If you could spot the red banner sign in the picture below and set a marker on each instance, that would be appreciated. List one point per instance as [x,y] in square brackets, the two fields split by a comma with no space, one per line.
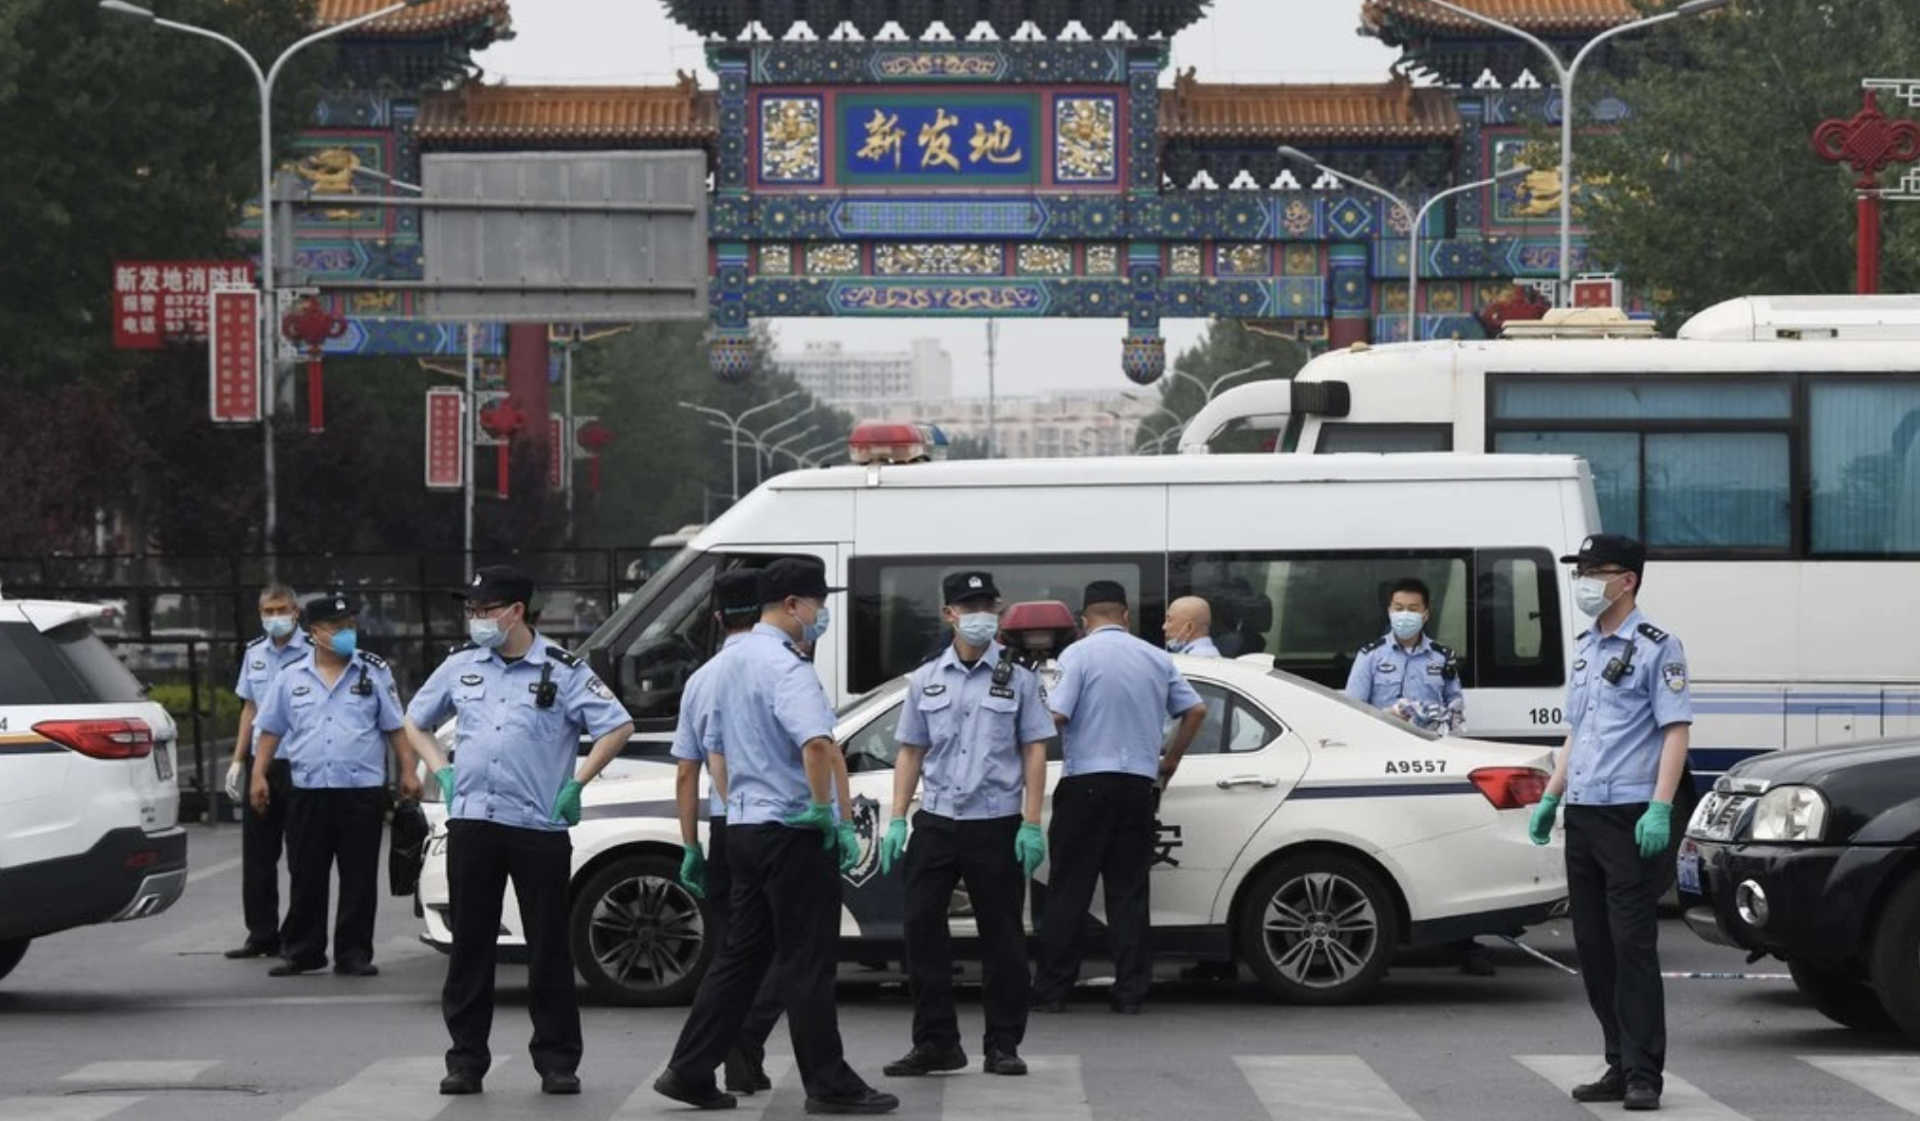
[157,302]
[445,462]
[233,356]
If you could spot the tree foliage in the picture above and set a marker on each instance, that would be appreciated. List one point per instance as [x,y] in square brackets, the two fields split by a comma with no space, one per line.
[1710,189]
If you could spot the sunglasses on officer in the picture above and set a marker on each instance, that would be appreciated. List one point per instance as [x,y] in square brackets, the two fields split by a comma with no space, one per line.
[486,610]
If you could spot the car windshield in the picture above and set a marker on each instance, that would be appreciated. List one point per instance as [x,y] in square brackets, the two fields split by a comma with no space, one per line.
[872,698]
[1340,697]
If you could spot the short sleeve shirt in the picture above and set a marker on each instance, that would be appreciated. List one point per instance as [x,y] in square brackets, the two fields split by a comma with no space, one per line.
[1619,726]
[334,737]
[974,728]
[697,735]
[1116,693]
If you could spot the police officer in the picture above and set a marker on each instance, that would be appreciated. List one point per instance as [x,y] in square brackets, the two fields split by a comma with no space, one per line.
[974,727]
[1405,672]
[1189,628]
[696,743]
[334,712]
[524,704]
[1631,712]
[263,834]
[785,852]
[1114,695]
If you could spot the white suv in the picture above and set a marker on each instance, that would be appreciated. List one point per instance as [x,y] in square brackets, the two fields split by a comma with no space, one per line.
[89,809]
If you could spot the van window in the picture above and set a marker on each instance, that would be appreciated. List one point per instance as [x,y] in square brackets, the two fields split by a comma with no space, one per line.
[896,601]
[651,667]
[1384,438]
[1517,620]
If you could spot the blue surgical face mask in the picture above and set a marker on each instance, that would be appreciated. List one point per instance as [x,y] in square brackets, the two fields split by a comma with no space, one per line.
[1406,624]
[344,642]
[1177,646]
[486,633]
[810,632]
[977,628]
[277,626]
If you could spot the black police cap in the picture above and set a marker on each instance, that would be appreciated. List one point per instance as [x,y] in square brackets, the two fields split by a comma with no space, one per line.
[1615,549]
[794,576]
[959,587]
[1103,591]
[327,609]
[737,594]
[498,583]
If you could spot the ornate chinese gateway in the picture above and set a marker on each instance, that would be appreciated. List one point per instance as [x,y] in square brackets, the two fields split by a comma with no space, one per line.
[1027,164]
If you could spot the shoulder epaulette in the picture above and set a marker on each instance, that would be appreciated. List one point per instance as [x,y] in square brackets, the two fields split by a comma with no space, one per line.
[463,648]
[1582,634]
[1372,646]
[1653,632]
[564,657]
[374,660]
[1443,651]
[256,642]
[795,651]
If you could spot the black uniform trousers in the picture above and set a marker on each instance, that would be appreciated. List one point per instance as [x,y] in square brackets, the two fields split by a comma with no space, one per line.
[1102,829]
[765,1012]
[786,914]
[262,836]
[328,829]
[481,857]
[1614,894]
[945,852]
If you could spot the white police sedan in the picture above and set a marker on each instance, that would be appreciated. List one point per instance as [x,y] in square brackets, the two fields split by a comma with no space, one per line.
[1304,835]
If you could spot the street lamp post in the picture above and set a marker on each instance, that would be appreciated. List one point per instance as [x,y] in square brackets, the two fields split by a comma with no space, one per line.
[781,447]
[1209,390]
[1566,73]
[809,457]
[264,83]
[1178,420]
[732,424]
[765,447]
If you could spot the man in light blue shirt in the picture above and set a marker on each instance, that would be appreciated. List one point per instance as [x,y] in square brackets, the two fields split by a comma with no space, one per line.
[333,714]
[263,834]
[1114,696]
[974,732]
[1405,673]
[524,704]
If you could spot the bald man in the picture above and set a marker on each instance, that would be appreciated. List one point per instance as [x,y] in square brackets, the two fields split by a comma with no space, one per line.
[1189,628]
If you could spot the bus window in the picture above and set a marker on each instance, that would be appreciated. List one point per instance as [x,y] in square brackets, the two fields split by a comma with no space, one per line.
[1336,438]
[1865,453]
[896,601]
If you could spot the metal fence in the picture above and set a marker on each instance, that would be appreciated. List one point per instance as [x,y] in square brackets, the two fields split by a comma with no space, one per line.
[180,623]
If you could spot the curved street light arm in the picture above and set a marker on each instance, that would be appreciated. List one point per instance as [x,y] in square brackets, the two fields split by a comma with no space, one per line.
[1419,221]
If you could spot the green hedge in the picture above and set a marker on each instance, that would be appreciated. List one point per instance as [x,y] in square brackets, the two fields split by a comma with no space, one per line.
[220,718]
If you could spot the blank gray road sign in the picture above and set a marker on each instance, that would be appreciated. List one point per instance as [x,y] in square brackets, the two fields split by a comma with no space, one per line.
[566,236]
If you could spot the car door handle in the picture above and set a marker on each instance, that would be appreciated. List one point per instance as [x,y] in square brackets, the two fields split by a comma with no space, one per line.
[1265,782]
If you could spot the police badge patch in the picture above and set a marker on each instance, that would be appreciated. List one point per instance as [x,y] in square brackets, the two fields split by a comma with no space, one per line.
[1675,675]
[866,822]
[471,679]
[599,688]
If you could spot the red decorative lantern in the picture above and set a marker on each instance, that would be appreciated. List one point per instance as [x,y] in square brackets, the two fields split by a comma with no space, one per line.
[310,325]
[1868,142]
[501,420]
[594,436]
[1522,304]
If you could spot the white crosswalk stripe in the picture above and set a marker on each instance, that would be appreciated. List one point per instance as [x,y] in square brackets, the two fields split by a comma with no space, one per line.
[405,1089]
[1053,1090]
[83,1107]
[141,1072]
[1322,1088]
[645,1105]
[1892,1078]
[1679,1098]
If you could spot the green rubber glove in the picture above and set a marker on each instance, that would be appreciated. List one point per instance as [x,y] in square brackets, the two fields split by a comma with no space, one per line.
[693,870]
[1030,848]
[846,837]
[819,816]
[894,845]
[1654,829]
[567,806]
[444,776]
[1540,826]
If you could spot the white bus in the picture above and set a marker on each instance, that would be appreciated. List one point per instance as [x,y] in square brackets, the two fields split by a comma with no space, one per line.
[1769,457]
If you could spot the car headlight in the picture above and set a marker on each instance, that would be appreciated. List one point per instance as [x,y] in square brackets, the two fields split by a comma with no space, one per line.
[1790,813]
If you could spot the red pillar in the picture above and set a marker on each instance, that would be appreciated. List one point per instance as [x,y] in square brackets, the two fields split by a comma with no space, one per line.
[527,365]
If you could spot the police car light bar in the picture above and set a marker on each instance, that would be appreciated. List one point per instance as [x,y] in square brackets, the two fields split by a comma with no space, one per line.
[875,441]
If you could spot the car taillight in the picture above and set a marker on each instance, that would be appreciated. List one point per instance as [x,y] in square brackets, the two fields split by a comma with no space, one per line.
[101,739]
[1510,788]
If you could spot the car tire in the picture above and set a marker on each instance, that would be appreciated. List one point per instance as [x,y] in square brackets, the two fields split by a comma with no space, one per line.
[1319,929]
[1840,996]
[1895,963]
[11,951]
[639,938]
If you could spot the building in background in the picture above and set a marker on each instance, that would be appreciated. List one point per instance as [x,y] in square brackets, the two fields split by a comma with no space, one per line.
[842,377]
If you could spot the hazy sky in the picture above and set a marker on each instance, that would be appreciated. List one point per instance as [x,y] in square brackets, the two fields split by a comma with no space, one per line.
[632,42]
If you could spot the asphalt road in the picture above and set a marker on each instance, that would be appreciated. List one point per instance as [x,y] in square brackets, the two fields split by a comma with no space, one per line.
[146,1020]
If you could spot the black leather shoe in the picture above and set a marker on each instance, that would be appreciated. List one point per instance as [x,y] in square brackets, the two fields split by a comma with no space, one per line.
[1051,1007]
[1125,1008]
[1609,1087]
[254,950]
[1004,1062]
[559,1082]
[1641,1097]
[356,969]
[745,1076]
[866,1101]
[460,1082]
[926,1060]
[291,968]
[671,1085]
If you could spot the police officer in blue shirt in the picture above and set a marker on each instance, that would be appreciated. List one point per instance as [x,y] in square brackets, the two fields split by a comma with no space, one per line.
[696,743]
[1114,696]
[785,852]
[1406,673]
[1631,712]
[974,728]
[332,714]
[263,834]
[524,704]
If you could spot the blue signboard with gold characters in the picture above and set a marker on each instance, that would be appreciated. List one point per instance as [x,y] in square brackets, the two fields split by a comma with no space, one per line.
[938,139]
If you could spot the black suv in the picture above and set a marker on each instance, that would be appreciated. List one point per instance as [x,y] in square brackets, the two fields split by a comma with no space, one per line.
[1813,856]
